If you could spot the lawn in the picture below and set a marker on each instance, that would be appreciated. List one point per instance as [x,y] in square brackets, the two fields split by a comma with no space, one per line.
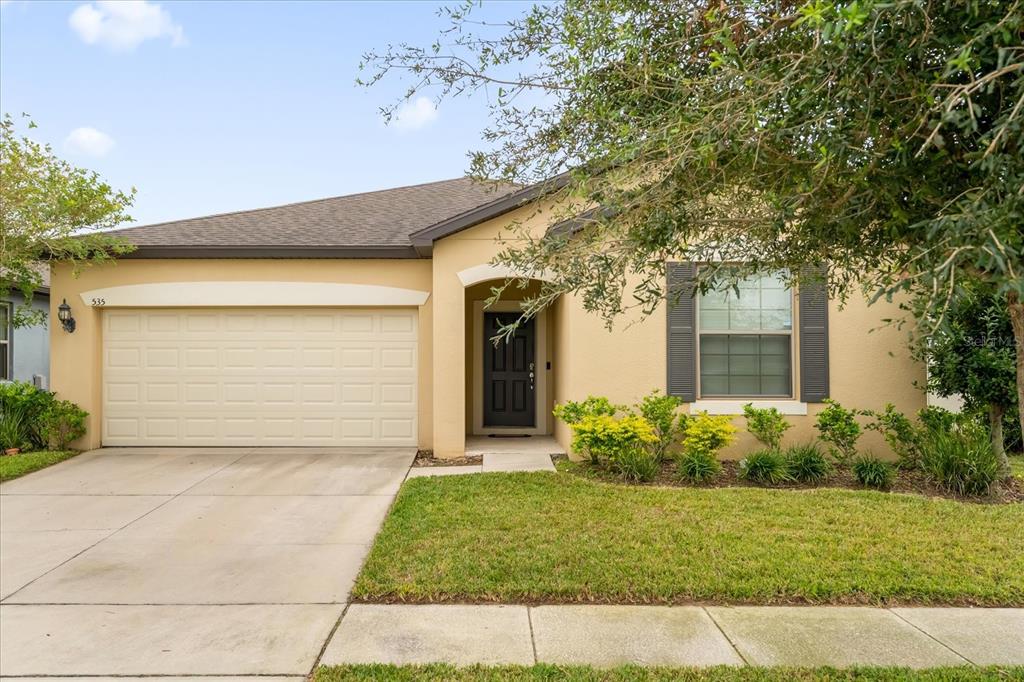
[551,673]
[13,466]
[556,538]
[1017,466]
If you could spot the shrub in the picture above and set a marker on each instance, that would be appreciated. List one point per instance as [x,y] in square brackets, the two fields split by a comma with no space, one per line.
[62,422]
[602,436]
[660,411]
[573,413]
[765,466]
[806,463]
[934,418]
[29,403]
[900,433]
[962,461]
[635,462]
[873,472]
[839,428]
[766,424]
[707,434]
[698,467]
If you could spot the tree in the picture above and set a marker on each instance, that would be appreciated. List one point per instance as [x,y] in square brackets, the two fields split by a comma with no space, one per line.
[49,211]
[884,138]
[973,356]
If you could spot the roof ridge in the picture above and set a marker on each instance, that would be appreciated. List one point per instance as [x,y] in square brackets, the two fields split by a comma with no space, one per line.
[294,203]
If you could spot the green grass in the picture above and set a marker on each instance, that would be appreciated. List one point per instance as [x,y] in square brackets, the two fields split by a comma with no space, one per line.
[538,537]
[13,466]
[550,673]
[1017,466]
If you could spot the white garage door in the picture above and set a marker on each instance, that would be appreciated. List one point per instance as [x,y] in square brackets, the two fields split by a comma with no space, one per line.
[259,377]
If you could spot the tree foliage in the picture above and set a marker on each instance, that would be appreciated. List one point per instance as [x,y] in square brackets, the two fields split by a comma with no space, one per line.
[50,211]
[973,356]
[884,138]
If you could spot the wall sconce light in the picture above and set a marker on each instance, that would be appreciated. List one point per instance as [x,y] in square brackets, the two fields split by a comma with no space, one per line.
[64,315]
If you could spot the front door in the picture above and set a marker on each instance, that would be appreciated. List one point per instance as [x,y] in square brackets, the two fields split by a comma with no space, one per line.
[509,373]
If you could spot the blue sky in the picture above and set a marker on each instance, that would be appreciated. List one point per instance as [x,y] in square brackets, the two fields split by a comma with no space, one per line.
[208,107]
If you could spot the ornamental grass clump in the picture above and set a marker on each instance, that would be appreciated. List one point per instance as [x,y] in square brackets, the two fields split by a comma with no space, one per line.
[873,472]
[962,461]
[806,463]
[765,466]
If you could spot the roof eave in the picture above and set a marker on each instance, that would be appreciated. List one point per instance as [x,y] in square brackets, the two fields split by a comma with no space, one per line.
[249,251]
[423,240]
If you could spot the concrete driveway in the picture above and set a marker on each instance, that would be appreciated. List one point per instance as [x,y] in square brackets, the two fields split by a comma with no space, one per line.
[186,561]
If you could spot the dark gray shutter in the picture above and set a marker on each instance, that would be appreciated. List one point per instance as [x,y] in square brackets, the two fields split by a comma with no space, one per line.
[682,340]
[813,296]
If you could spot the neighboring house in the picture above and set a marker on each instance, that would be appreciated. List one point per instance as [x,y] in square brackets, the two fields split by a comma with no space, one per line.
[360,320]
[25,351]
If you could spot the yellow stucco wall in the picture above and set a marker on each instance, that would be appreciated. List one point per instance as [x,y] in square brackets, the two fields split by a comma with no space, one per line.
[76,359]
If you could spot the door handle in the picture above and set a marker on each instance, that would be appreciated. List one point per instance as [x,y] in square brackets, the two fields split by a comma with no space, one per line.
[531,376]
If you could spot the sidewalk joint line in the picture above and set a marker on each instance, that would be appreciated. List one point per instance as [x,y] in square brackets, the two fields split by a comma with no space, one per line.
[533,639]
[727,637]
[933,638]
[330,636]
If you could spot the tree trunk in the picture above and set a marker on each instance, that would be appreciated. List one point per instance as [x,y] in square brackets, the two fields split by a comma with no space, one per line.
[1017,322]
[995,424]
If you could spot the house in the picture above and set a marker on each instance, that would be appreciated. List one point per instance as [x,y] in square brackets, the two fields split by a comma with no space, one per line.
[25,351]
[360,320]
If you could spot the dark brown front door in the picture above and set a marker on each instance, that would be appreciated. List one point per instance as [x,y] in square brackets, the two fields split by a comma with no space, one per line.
[509,373]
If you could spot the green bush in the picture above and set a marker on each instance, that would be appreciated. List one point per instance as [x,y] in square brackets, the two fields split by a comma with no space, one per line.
[698,467]
[766,424]
[934,418]
[661,412]
[601,436]
[61,423]
[873,472]
[806,463]
[635,462]
[961,460]
[839,428]
[902,435]
[573,413]
[765,466]
[28,403]
[707,433]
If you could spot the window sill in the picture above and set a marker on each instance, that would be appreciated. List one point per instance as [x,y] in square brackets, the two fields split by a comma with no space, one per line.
[788,407]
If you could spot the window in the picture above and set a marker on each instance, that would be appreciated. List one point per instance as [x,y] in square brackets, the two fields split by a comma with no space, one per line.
[6,332]
[746,339]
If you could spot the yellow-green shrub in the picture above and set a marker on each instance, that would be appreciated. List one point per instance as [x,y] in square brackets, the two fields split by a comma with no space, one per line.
[707,434]
[602,436]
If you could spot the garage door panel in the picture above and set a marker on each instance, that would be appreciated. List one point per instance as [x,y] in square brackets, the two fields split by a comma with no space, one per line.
[251,377]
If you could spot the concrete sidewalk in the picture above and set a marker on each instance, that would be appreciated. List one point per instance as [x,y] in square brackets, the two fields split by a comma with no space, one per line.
[606,636]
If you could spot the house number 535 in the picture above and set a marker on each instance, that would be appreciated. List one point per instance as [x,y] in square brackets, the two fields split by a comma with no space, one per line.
[99,301]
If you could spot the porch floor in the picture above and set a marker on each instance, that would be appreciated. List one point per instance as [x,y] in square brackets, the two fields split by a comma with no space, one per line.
[533,445]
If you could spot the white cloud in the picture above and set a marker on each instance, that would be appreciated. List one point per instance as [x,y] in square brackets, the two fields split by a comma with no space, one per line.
[415,114]
[89,141]
[122,25]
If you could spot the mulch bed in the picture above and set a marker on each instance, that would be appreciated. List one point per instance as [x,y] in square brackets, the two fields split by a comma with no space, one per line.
[425,458]
[916,482]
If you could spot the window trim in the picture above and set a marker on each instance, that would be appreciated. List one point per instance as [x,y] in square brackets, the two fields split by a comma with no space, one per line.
[793,325]
[8,343]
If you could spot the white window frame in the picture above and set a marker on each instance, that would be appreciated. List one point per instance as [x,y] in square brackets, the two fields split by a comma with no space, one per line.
[764,397]
[7,344]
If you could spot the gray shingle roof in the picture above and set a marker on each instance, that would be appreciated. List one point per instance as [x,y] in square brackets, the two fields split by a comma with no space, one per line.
[384,218]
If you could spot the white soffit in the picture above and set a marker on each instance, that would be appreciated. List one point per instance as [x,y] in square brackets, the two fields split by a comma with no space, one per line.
[262,294]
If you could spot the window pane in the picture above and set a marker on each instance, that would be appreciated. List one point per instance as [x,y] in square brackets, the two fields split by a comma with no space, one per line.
[760,302]
[714,319]
[745,365]
[5,320]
